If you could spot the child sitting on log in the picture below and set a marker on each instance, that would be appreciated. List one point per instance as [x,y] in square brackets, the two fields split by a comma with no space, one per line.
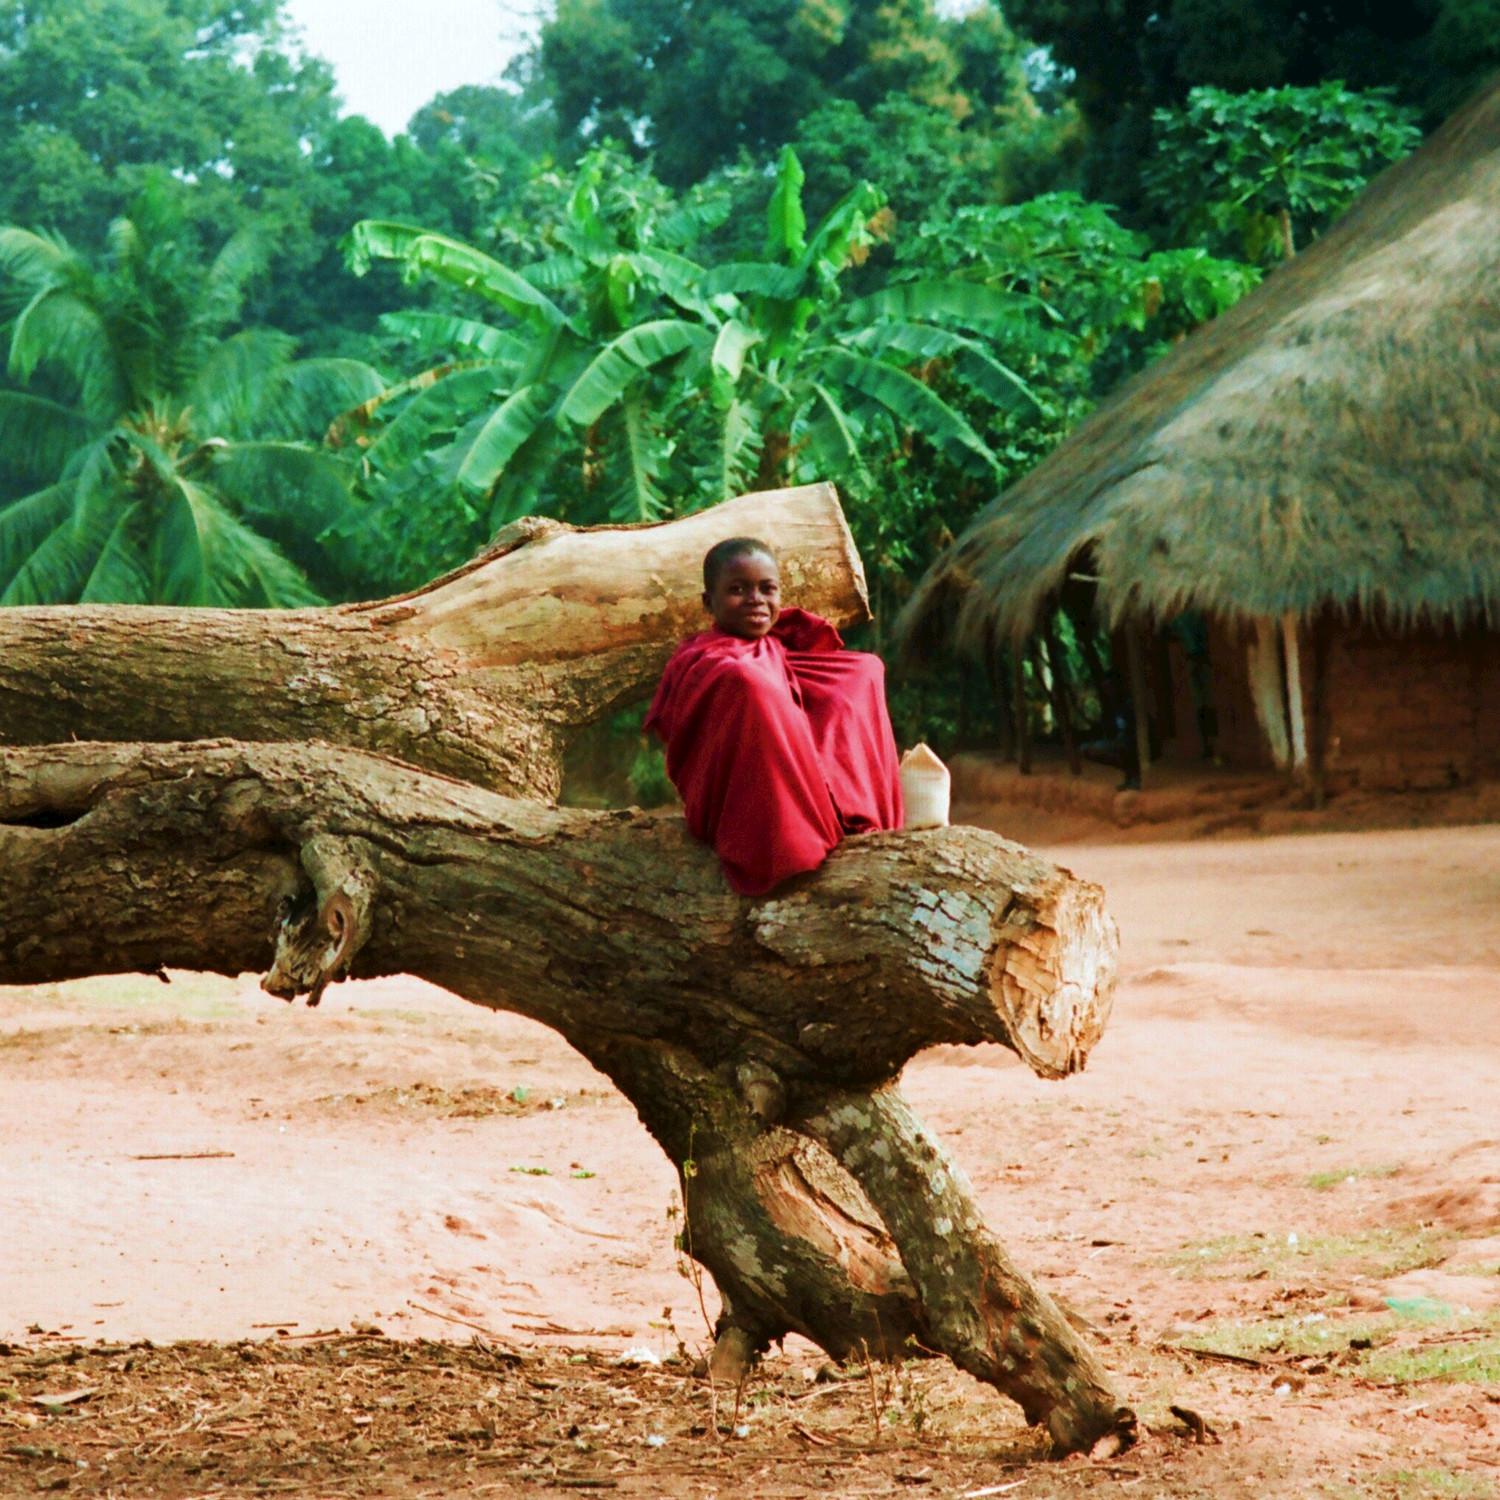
[777,738]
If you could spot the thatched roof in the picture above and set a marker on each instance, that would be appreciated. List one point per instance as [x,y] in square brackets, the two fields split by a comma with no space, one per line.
[1333,439]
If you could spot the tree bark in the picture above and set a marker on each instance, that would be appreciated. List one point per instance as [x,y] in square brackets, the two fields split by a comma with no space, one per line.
[743,1032]
[982,1312]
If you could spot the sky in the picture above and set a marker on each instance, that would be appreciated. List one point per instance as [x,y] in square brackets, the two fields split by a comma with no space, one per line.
[392,56]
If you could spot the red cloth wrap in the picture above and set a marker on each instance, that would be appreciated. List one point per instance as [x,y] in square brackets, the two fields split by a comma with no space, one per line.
[778,746]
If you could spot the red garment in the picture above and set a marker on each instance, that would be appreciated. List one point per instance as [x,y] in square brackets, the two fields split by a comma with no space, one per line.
[778,746]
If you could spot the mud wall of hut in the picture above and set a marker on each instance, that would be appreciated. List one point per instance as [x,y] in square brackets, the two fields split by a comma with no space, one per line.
[1386,710]
[1412,710]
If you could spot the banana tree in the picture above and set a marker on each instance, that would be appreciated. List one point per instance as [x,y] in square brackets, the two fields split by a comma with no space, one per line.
[512,420]
[616,378]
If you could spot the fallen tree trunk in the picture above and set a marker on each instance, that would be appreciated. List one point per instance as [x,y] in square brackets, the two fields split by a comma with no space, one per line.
[837,979]
[483,674]
[744,1033]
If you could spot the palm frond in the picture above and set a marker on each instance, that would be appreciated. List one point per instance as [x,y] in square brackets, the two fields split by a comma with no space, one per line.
[679,279]
[37,436]
[967,303]
[645,461]
[832,433]
[438,408]
[437,330]
[523,483]
[60,329]
[737,451]
[786,222]
[303,397]
[500,436]
[297,497]
[243,256]
[732,342]
[556,272]
[94,474]
[26,523]
[36,261]
[757,278]
[840,230]
[971,362]
[689,222]
[59,551]
[119,574]
[204,555]
[229,385]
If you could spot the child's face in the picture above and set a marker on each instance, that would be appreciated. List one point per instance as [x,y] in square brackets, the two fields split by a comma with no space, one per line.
[746,596]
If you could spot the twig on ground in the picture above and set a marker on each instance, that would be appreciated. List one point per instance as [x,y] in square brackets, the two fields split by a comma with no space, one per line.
[180,1156]
[489,1333]
[1201,1431]
[1218,1354]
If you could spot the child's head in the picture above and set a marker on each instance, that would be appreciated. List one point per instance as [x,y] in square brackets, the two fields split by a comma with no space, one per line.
[742,586]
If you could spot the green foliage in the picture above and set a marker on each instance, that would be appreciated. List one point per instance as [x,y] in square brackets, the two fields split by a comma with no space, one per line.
[103,92]
[599,339]
[1262,172]
[1125,59]
[1073,302]
[160,457]
[699,84]
[626,381]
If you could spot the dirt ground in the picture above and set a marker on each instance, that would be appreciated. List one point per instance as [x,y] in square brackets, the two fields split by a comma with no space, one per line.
[401,1246]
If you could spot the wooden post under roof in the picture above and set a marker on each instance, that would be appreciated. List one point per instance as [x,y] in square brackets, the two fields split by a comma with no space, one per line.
[1018,697]
[1268,689]
[1062,709]
[1135,666]
[1296,721]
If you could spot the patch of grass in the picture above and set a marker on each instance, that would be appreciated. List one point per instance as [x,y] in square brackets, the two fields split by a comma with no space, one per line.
[200,997]
[1476,1361]
[1477,1268]
[1326,1333]
[1369,1252]
[1303,1333]
[1414,1484]
[473,1102]
[1322,1181]
[23,1037]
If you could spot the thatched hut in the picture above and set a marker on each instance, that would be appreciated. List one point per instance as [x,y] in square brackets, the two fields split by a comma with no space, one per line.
[1316,476]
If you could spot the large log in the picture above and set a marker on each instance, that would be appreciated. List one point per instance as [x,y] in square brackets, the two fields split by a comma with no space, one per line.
[594,924]
[749,1035]
[483,674]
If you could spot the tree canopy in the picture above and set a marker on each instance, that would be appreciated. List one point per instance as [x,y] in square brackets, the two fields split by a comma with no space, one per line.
[698,84]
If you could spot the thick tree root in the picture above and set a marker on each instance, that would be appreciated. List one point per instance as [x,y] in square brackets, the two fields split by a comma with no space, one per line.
[981,1311]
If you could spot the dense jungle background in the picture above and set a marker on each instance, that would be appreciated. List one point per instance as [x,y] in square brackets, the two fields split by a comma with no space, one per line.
[260,354]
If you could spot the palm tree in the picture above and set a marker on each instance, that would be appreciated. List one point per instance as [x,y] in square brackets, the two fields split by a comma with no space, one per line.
[154,456]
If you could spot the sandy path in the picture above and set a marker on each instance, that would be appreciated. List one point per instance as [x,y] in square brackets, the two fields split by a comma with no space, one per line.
[1295,1012]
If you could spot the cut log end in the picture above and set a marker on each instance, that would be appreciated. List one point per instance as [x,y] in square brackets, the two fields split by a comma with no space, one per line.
[1053,980]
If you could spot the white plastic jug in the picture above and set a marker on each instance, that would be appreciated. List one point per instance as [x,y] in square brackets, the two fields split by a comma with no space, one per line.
[925,789]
